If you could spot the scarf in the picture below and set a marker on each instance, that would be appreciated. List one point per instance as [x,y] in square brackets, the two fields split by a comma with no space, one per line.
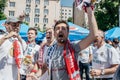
[16,52]
[40,58]
[71,63]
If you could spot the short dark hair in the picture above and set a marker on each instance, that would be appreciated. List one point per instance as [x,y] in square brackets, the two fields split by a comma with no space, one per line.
[61,21]
[116,40]
[33,29]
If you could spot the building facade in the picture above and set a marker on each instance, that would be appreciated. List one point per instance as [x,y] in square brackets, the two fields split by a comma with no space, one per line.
[39,13]
[79,17]
[66,12]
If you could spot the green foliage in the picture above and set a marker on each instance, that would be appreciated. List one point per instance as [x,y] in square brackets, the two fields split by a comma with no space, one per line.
[26,23]
[2,6]
[70,19]
[107,14]
[2,16]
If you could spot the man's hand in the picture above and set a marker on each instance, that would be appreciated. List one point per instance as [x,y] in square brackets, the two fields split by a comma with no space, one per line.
[21,16]
[95,72]
[31,76]
[12,34]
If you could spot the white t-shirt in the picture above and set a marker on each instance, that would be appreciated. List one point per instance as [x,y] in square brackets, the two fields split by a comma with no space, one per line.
[84,54]
[8,68]
[104,57]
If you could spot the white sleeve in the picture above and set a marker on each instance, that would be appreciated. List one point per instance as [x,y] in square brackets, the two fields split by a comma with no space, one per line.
[90,49]
[114,56]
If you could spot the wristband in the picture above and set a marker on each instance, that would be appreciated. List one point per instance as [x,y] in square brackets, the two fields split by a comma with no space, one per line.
[102,71]
[33,70]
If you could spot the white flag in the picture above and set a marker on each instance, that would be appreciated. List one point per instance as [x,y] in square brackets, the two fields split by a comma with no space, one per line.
[80,3]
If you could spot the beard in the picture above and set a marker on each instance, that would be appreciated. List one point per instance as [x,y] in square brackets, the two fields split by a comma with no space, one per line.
[62,41]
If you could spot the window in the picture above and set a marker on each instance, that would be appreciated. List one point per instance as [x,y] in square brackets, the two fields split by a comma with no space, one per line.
[28,5]
[46,11]
[27,19]
[28,1]
[37,11]
[37,1]
[69,13]
[36,20]
[12,4]
[69,10]
[46,2]
[45,20]
[27,10]
[11,13]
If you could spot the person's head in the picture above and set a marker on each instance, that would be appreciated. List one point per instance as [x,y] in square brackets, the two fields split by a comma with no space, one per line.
[61,31]
[109,41]
[115,41]
[2,31]
[12,24]
[99,38]
[32,34]
[49,34]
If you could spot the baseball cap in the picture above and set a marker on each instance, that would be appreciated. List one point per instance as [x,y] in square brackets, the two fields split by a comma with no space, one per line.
[100,33]
[12,19]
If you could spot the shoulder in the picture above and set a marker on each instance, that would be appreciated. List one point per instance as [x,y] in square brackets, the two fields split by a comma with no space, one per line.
[75,46]
[108,46]
[37,47]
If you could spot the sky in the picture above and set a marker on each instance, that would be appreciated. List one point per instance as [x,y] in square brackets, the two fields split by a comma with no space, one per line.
[67,2]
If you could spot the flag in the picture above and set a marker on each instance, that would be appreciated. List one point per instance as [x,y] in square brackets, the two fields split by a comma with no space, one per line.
[79,4]
[84,3]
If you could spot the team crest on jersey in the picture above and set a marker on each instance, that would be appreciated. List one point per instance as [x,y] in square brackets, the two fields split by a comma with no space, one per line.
[101,54]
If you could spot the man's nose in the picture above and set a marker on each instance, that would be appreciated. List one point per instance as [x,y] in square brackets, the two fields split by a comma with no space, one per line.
[60,29]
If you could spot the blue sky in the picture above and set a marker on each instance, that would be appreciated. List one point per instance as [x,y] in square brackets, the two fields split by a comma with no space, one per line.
[67,2]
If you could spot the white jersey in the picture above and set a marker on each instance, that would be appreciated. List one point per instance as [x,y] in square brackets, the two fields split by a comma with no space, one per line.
[104,57]
[45,52]
[8,68]
[30,57]
[84,55]
[118,49]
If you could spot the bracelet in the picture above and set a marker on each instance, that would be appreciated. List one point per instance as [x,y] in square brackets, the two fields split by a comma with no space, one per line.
[36,76]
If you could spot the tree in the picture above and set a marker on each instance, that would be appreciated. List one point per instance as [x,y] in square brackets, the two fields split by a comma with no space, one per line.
[2,6]
[70,19]
[107,14]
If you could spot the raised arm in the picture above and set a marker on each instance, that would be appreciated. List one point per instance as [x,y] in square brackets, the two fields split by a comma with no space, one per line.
[92,27]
